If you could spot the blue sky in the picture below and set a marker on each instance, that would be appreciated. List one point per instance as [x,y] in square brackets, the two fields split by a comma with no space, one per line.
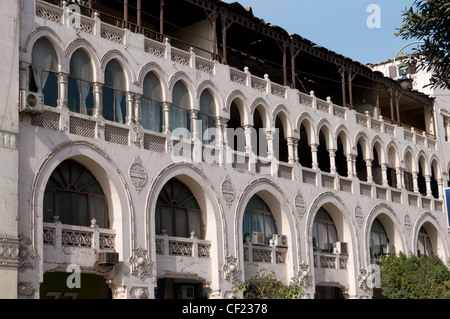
[339,25]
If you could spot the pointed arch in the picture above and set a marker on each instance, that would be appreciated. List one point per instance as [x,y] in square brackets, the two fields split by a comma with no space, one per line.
[187,82]
[88,48]
[263,108]
[159,73]
[124,63]
[212,88]
[55,41]
[392,224]
[286,118]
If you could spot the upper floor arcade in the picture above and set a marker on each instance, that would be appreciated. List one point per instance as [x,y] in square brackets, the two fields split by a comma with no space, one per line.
[233,36]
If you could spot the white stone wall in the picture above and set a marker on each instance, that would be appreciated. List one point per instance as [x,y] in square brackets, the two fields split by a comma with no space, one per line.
[9,128]
[293,202]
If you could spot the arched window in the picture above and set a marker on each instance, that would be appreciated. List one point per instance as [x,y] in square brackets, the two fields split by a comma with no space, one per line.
[282,153]
[114,96]
[44,72]
[74,196]
[378,239]
[258,218]
[235,132]
[260,149]
[324,232]
[207,118]
[341,159]
[361,167]
[180,110]
[151,106]
[80,84]
[408,179]
[304,149]
[376,168]
[323,154]
[424,247]
[421,182]
[177,211]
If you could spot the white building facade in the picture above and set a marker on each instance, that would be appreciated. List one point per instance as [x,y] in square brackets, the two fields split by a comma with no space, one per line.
[100,184]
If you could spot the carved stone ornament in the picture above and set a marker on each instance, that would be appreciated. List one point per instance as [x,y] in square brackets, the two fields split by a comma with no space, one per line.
[140,293]
[140,265]
[118,292]
[359,216]
[362,280]
[305,275]
[138,174]
[407,222]
[25,289]
[300,205]
[231,270]
[228,191]
[9,252]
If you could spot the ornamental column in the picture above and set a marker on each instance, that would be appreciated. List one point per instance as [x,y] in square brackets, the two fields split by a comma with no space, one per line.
[314,150]
[332,154]
[369,170]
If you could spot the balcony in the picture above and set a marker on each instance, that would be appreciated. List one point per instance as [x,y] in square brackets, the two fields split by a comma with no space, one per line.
[68,244]
[183,256]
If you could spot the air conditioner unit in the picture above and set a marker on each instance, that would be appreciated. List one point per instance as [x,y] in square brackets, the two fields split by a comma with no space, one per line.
[185,292]
[31,102]
[107,258]
[257,238]
[279,240]
[339,248]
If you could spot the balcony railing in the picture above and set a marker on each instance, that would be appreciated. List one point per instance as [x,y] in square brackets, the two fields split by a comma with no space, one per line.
[61,235]
[330,261]
[179,246]
[265,254]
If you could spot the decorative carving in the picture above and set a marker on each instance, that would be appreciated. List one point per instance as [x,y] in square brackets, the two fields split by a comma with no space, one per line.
[27,254]
[362,280]
[407,222]
[300,205]
[138,174]
[118,292]
[139,135]
[25,289]
[228,191]
[359,216]
[140,264]
[9,252]
[231,269]
[140,293]
[8,140]
[305,275]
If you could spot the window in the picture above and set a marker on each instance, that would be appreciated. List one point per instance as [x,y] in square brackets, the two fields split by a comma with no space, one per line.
[44,72]
[258,218]
[177,211]
[151,107]
[180,109]
[408,181]
[74,195]
[378,239]
[324,232]
[80,88]
[424,247]
[114,96]
[206,116]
